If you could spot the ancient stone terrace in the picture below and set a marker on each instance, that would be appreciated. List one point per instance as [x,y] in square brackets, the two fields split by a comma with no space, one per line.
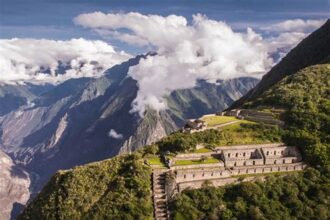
[201,174]
[243,155]
[253,115]
[231,162]
[235,161]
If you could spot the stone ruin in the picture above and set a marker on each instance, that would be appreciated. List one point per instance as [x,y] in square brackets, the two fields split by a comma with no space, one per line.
[237,156]
[235,161]
[236,164]
[194,125]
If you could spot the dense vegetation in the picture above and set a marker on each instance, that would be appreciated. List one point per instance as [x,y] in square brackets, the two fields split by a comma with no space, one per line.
[297,196]
[306,96]
[240,133]
[118,188]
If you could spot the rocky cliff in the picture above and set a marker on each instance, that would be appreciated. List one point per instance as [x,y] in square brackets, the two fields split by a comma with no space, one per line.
[14,187]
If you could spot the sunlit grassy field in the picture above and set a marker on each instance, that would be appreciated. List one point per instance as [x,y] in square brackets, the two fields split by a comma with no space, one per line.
[155,160]
[237,125]
[238,133]
[217,120]
[202,150]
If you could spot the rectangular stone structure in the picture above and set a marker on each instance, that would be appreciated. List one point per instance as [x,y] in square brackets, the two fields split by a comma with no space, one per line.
[200,174]
[281,155]
[247,156]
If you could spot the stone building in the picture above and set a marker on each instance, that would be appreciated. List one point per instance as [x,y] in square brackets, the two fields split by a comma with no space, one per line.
[242,156]
[235,161]
[201,174]
[192,126]
[233,112]
[281,155]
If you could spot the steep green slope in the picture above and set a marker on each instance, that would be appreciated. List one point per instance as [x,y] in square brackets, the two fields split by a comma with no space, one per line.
[306,97]
[296,196]
[118,188]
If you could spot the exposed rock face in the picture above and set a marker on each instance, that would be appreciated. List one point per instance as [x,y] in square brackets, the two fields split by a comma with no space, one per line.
[14,187]
[13,96]
[69,124]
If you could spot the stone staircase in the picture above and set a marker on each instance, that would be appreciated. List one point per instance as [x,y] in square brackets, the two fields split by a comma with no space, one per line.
[159,196]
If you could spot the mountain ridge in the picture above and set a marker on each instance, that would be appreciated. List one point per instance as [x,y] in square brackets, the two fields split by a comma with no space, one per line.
[69,124]
[314,49]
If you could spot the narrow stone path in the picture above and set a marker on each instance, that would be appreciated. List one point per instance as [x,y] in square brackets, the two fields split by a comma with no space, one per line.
[159,195]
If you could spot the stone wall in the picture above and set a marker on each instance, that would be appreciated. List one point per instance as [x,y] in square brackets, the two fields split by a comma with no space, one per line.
[200,174]
[247,146]
[191,156]
[267,169]
[241,154]
[248,161]
[244,162]
[281,155]
[244,155]
[284,160]
[197,166]
[234,177]
[198,184]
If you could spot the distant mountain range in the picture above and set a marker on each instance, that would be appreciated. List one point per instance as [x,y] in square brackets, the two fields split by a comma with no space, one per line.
[45,128]
[298,86]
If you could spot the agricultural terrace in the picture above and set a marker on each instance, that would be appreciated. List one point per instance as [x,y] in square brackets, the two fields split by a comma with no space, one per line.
[215,120]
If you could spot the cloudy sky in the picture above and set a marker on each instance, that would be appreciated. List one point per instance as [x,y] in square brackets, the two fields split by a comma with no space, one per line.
[53,18]
[54,40]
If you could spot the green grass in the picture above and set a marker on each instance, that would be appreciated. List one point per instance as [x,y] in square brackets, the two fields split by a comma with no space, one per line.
[155,161]
[238,125]
[194,162]
[238,133]
[217,120]
[202,150]
[244,132]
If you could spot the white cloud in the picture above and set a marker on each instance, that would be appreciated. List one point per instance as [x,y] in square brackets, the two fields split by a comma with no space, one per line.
[205,49]
[296,25]
[287,34]
[42,60]
[115,135]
